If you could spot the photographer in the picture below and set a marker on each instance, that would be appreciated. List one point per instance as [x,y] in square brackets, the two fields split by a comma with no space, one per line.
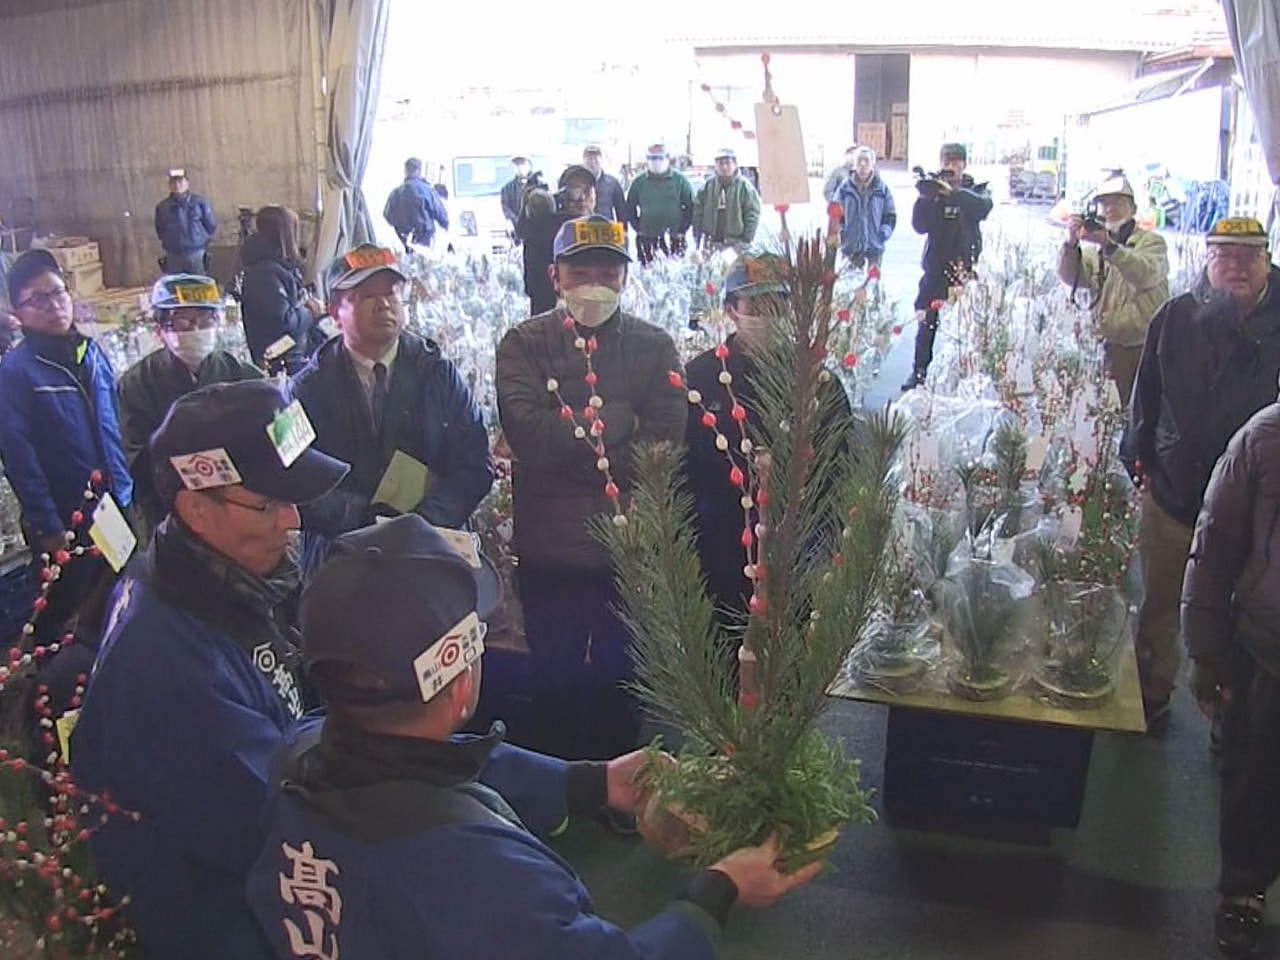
[1125,270]
[538,226]
[949,212]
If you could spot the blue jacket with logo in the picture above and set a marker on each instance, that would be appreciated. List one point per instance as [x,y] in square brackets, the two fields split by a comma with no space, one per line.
[869,215]
[185,224]
[377,888]
[56,429]
[179,724]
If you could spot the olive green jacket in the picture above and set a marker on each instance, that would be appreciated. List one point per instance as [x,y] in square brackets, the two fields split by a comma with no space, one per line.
[1126,286]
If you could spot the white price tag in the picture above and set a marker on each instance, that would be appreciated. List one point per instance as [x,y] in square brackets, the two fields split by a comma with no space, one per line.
[291,432]
[928,452]
[1037,450]
[110,533]
[1025,380]
[1069,533]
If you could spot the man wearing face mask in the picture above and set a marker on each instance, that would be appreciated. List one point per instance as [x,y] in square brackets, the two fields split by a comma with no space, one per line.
[661,204]
[1210,361]
[1126,272]
[579,648]
[187,310]
[755,299]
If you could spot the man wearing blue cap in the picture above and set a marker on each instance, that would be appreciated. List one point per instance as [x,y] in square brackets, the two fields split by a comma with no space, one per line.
[187,310]
[196,680]
[755,298]
[727,211]
[391,835]
[660,202]
[605,367]
[388,402]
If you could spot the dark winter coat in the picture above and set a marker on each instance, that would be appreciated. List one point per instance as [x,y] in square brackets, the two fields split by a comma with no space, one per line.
[413,210]
[539,236]
[1204,372]
[147,390]
[430,415]
[272,306]
[869,215]
[58,424]
[557,487]
[952,226]
[512,197]
[185,224]
[611,199]
[1231,592]
[194,686]
[717,502]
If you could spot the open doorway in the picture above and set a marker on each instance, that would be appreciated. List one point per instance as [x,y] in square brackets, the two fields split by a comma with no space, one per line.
[881,103]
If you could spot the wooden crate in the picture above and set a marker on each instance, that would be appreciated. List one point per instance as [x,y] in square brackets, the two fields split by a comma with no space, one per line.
[872,135]
[898,138]
[74,252]
[84,280]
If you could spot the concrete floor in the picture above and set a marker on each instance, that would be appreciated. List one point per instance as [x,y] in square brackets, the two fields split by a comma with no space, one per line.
[1133,882]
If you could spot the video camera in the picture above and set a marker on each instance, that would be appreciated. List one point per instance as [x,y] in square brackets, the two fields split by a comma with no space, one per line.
[932,184]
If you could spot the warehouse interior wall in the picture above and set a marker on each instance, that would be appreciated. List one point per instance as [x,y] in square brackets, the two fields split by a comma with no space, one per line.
[99,99]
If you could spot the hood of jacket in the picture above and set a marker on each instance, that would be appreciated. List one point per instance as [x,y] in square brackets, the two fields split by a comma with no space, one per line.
[256,250]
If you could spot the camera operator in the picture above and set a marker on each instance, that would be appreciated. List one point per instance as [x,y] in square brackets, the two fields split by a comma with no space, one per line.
[949,212]
[1125,270]
[538,226]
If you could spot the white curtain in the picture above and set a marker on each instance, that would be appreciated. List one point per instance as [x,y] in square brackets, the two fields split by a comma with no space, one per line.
[353,53]
[1254,26]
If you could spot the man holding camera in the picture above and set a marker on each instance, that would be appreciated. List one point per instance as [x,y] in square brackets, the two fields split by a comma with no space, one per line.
[1125,270]
[575,198]
[949,212]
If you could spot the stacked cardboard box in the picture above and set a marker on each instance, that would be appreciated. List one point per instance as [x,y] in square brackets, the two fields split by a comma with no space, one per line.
[81,262]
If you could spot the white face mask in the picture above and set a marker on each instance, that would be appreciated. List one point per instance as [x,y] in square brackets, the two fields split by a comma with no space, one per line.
[591,305]
[191,346]
[658,167]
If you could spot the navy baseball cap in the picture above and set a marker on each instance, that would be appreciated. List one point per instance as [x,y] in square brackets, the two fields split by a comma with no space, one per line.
[221,435]
[591,233]
[354,268]
[29,265]
[753,276]
[387,597]
[579,173]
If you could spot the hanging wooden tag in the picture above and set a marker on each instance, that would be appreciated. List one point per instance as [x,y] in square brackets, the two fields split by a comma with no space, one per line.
[784,174]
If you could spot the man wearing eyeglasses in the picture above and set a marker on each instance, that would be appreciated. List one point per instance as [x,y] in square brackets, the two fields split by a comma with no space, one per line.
[1210,361]
[196,681]
[187,310]
[386,401]
[58,429]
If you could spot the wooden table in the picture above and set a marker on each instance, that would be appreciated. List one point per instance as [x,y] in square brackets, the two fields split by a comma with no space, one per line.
[1015,759]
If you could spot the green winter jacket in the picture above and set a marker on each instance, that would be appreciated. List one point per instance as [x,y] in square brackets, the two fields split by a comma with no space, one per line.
[742,210]
[146,392]
[660,204]
[1126,286]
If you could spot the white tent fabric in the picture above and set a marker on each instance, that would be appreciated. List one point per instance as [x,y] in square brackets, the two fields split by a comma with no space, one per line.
[353,75]
[100,98]
[1254,26]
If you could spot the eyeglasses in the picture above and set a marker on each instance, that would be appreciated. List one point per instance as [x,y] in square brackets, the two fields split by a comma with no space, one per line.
[265,507]
[44,300]
[1225,254]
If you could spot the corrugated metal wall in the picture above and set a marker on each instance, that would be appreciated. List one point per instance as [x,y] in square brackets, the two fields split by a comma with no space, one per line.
[100,98]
